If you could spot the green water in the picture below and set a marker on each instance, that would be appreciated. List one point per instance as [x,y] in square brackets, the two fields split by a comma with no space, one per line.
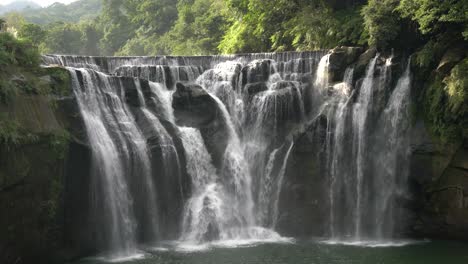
[309,252]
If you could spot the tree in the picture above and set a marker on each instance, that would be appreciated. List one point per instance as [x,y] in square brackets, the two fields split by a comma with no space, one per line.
[15,20]
[116,25]
[434,16]
[62,38]
[381,22]
[198,30]
[90,36]
[32,33]
[155,16]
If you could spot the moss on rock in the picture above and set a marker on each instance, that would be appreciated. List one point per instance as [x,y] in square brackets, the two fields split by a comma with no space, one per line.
[446,104]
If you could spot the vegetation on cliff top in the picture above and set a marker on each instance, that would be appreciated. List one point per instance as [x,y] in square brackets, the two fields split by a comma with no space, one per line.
[195,27]
[20,74]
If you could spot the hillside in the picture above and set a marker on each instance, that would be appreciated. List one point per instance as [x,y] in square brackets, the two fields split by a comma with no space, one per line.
[23,6]
[74,12]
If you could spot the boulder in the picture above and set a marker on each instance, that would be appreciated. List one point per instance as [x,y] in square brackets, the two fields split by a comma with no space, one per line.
[193,106]
[363,60]
[256,71]
[340,58]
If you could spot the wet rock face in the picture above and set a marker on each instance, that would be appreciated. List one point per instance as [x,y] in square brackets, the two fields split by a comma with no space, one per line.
[193,106]
[33,188]
[439,176]
[340,58]
[303,207]
[256,71]
[363,60]
[132,96]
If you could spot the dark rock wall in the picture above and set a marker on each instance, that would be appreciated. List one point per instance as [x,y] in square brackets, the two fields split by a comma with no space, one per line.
[32,180]
[439,177]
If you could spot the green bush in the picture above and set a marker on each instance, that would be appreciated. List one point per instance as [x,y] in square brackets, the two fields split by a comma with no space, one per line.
[12,134]
[435,16]
[457,90]
[446,104]
[381,22]
[61,80]
[17,52]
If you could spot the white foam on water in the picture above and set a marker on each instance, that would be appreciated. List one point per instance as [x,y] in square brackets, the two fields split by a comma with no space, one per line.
[264,236]
[114,258]
[373,243]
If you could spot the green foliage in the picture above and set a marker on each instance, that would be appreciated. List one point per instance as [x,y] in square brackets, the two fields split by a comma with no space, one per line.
[239,38]
[180,28]
[381,22]
[116,25]
[279,25]
[457,91]
[195,27]
[199,27]
[15,20]
[32,33]
[155,17]
[19,68]
[58,143]
[430,54]
[434,16]
[259,25]
[12,134]
[7,90]
[446,104]
[62,38]
[322,27]
[17,52]
[90,37]
[311,29]
[61,80]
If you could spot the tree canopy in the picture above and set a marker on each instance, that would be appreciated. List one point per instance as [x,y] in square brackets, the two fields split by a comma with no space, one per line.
[195,27]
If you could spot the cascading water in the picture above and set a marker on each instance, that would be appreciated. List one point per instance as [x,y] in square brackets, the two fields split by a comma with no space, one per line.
[230,194]
[360,116]
[391,166]
[363,188]
[119,151]
[205,213]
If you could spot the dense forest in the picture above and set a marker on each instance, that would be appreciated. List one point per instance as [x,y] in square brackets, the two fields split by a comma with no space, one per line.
[195,27]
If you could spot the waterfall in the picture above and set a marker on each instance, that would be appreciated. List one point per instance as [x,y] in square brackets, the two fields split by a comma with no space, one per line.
[265,193]
[391,166]
[155,178]
[363,189]
[360,115]
[270,188]
[336,144]
[279,184]
[205,213]
[120,163]
[321,78]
